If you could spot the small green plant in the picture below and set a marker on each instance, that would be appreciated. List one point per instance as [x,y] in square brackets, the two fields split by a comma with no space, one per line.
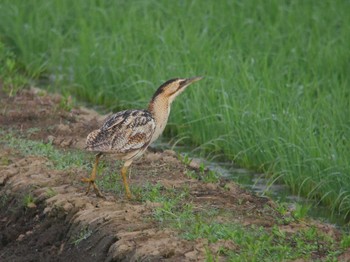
[282,208]
[50,192]
[152,193]
[191,174]
[203,174]
[66,103]
[301,210]
[185,159]
[210,177]
[345,241]
[11,74]
[29,201]
[210,257]
[278,233]
[310,233]
[84,234]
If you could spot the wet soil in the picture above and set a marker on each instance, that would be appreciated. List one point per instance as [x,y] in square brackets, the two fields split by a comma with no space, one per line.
[65,224]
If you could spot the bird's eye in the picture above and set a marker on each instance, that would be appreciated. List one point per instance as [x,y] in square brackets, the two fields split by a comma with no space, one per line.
[182,83]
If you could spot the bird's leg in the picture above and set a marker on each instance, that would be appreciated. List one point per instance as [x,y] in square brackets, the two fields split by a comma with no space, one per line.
[125,181]
[129,173]
[92,178]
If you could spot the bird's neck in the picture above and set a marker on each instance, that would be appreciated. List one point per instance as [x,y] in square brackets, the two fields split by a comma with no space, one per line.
[160,109]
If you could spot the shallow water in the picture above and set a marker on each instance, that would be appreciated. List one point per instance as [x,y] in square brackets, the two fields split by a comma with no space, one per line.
[262,186]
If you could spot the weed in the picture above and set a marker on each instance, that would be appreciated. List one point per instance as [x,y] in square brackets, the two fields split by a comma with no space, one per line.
[152,193]
[66,103]
[185,159]
[282,208]
[50,192]
[10,72]
[210,177]
[210,257]
[28,201]
[84,234]
[191,174]
[301,210]
[203,174]
[345,241]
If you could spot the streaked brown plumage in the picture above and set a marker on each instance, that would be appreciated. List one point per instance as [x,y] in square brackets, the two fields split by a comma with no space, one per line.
[127,134]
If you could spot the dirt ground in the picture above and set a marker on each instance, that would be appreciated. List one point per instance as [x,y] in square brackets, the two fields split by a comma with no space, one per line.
[120,229]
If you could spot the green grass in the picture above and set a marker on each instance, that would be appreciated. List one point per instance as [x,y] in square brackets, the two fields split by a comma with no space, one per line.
[254,243]
[276,93]
[61,160]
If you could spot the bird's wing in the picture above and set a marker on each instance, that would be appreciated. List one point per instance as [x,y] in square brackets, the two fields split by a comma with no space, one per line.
[123,132]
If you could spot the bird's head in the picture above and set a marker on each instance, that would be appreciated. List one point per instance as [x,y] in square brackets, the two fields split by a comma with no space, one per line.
[173,87]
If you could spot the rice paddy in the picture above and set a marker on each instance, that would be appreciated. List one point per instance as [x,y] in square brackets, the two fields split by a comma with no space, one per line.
[275,97]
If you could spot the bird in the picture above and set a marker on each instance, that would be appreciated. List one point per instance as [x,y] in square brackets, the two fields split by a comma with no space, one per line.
[127,134]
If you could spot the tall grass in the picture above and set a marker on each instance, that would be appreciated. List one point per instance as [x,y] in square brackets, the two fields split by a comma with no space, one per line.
[276,92]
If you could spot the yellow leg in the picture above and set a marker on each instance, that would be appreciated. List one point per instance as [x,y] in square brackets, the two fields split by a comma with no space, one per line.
[92,178]
[125,181]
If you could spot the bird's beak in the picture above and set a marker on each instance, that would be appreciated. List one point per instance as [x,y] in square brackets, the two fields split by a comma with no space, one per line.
[192,80]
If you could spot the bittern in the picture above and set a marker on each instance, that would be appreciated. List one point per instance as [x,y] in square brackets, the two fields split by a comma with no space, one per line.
[127,134]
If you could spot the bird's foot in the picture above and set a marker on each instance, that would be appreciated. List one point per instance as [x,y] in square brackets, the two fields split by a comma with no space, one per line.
[129,195]
[91,183]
